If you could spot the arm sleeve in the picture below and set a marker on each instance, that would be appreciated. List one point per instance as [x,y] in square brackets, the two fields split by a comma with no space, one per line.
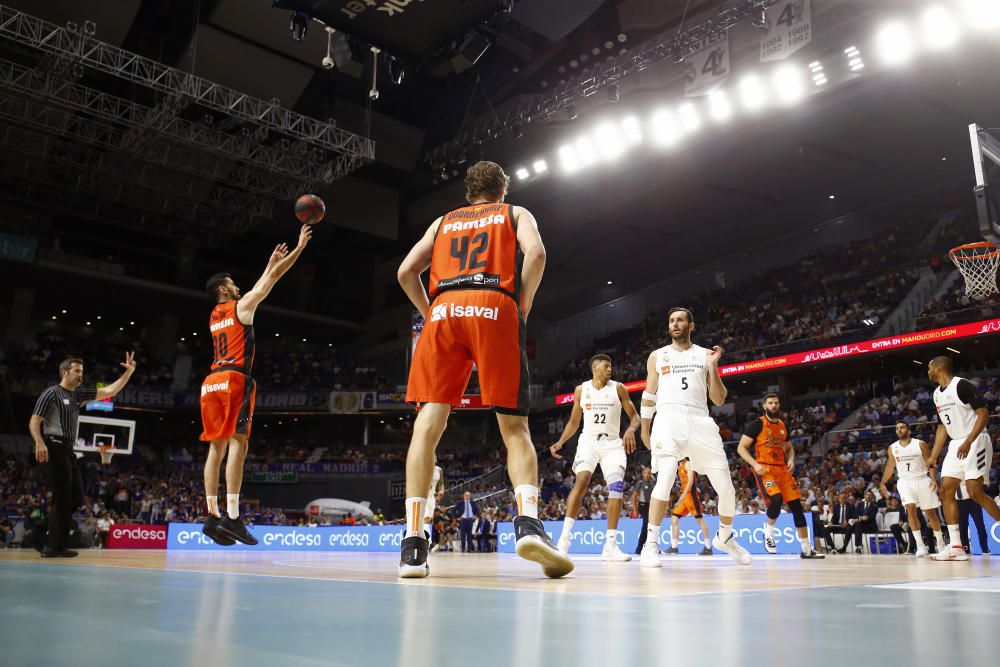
[753,429]
[43,402]
[967,394]
[84,394]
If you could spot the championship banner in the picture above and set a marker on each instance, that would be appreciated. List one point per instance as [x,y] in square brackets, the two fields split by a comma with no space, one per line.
[136,536]
[788,28]
[708,67]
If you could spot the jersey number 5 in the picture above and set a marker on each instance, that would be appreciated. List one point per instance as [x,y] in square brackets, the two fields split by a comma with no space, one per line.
[684,383]
[460,251]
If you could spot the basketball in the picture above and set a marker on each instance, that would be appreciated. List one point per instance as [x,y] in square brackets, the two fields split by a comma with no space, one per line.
[309,209]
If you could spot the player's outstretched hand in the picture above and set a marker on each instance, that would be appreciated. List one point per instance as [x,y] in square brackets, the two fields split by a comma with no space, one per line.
[280,252]
[554,450]
[304,235]
[629,441]
[715,355]
[129,364]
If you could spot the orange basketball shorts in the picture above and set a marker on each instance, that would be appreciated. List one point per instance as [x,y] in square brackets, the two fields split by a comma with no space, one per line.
[689,505]
[466,327]
[227,399]
[776,479]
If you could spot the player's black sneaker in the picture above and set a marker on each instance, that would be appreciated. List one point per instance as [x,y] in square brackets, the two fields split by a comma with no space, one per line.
[413,558]
[212,529]
[707,551]
[49,552]
[672,550]
[533,543]
[812,554]
[237,530]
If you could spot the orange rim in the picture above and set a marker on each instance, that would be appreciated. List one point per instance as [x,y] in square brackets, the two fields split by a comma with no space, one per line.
[973,246]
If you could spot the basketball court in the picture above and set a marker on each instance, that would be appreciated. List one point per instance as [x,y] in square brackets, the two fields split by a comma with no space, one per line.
[162,608]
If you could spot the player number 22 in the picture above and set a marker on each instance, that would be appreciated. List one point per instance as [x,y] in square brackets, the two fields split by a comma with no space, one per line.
[460,251]
[600,419]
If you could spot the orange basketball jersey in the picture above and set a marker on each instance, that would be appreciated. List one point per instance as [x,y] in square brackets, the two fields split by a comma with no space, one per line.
[475,247]
[232,341]
[682,475]
[770,443]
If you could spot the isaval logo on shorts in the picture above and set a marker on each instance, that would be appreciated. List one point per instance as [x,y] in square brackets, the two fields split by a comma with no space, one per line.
[446,310]
[217,386]
[439,312]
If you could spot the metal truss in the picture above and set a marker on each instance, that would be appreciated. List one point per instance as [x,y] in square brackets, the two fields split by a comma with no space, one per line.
[82,48]
[675,45]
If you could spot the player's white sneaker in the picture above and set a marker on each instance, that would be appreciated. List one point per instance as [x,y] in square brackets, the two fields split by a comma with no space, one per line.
[769,545]
[613,554]
[922,552]
[563,544]
[733,548]
[951,553]
[650,556]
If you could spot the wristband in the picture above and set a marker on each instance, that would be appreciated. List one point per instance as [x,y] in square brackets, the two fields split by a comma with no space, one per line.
[647,411]
[646,396]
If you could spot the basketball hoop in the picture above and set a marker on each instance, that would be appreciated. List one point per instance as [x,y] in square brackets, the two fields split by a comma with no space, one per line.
[106,453]
[978,263]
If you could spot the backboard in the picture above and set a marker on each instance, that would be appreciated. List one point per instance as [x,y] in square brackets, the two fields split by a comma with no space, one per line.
[986,166]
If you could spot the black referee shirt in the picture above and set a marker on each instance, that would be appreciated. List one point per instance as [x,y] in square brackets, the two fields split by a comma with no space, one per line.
[60,410]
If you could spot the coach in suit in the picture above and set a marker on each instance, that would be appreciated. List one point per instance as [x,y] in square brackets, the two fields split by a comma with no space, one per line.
[866,511]
[843,518]
[466,510]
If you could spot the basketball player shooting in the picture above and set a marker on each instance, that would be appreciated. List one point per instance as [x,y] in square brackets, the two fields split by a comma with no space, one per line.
[773,466]
[963,416]
[598,402]
[486,262]
[680,380]
[908,457]
[227,394]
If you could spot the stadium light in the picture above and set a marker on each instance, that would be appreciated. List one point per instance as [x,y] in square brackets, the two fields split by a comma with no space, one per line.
[818,75]
[939,28]
[610,142]
[752,93]
[585,152]
[854,60]
[788,86]
[664,128]
[894,42]
[983,14]
[522,174]
[689,117]
[540,167]
[719,107]
[632,130]
[568,158]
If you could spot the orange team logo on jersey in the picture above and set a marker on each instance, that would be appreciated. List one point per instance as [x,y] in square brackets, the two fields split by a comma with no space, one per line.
[665,369]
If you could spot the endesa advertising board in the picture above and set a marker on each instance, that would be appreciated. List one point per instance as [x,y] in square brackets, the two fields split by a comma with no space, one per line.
[137,536]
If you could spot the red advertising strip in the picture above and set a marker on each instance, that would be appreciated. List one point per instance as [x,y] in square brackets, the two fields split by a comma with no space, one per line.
[137,536]
[471,402]
[839,352]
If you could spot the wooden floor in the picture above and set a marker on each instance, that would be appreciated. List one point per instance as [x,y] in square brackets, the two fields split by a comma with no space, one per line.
[248,608]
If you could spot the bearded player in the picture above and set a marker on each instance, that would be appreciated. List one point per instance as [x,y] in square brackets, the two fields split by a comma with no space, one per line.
[680,380]
[599,402]
[908,458]
[227,394]
[773,466]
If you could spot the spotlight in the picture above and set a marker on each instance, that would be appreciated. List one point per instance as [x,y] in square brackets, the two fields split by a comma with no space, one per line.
[571,112]
[894,43]
[689,117]
[299,26]
[632,130]
[719,106]
[940,31]
[540,167]
[522,174]
[609,141]
[788,84]
[585,151]
[983,14]
[664,128]
[752,92]
[568,158]
[614,94]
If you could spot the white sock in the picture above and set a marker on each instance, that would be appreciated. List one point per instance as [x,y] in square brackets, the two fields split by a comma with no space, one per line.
[769,530]
[806,545]
[567,527]
[725,531]
[213,505]
[939,539]
[707,540]
[415,516]
[611,536]
[653,535]
[956,537]
[918,539]
[527,500]
[233,505]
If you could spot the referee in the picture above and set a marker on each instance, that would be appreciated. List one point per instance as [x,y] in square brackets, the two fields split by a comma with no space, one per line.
[53,428]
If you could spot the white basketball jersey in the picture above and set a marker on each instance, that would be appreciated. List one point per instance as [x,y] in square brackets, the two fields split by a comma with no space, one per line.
[683,377]
[602,409]
[958,417]
[910,463]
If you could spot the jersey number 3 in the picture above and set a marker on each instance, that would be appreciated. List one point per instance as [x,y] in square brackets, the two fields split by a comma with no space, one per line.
[466,259]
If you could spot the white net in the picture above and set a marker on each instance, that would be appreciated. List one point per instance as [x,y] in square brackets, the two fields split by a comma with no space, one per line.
[978,263]
[106,454]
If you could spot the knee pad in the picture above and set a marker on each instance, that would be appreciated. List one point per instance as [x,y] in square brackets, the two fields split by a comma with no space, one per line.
[798,513]
[616,483]
[774,506]
[665,479]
